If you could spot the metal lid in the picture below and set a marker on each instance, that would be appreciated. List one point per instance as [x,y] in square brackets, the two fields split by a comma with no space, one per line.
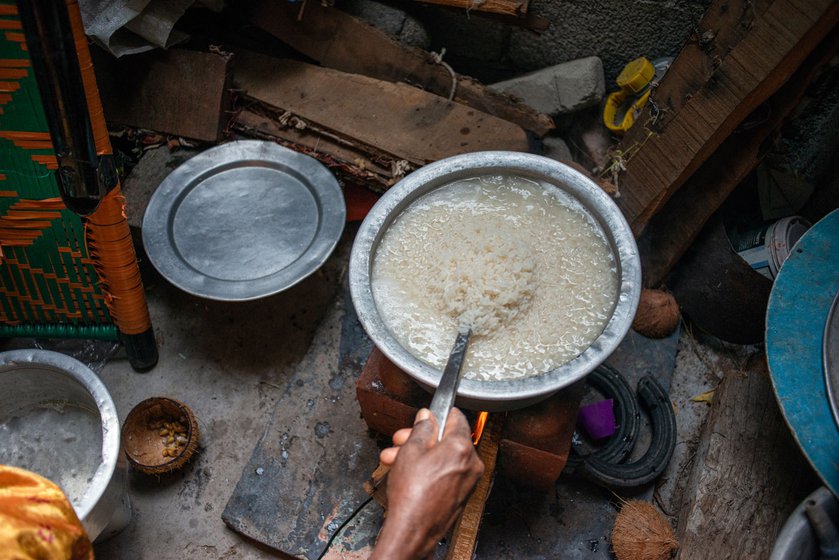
[243,220]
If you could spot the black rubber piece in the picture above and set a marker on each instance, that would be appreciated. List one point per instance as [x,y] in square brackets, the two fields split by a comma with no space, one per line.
[824,525]
[612,384]
[656,403]
[141,350]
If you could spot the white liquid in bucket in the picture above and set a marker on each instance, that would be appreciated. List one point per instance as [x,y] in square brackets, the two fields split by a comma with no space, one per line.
[61,442]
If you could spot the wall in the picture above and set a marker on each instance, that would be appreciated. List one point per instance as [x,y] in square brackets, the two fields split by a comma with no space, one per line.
[617,31]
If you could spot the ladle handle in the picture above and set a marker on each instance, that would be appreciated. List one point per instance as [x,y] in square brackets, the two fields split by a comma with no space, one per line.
[446,391]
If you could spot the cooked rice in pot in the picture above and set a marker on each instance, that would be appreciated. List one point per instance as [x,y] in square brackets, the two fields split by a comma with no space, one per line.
[521,263]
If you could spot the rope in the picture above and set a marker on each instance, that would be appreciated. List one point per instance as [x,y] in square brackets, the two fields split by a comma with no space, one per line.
[437,58]
[94,103]
[111,249]
[474,5]
[618,159]
[107,235]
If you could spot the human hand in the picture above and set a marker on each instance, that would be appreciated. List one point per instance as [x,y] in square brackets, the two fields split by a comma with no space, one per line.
[428,485]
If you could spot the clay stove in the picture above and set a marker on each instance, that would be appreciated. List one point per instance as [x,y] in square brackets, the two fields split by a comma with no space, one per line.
[534,442]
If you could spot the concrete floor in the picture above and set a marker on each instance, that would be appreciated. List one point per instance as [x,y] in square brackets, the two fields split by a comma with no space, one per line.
[230,363]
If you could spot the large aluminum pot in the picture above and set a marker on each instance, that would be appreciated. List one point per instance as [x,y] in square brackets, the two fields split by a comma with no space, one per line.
[512,394]
[30,378]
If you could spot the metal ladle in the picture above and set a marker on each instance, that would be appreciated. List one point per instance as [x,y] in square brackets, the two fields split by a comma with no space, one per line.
[444,396]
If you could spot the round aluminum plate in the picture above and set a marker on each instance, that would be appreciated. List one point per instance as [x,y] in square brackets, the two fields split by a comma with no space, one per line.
[243,220]
[509,394]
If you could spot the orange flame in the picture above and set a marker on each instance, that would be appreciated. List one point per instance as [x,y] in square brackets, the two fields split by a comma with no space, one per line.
[478,430]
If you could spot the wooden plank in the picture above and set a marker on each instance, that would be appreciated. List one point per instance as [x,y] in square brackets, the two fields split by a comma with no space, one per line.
[666,156]
[508,7]
[338,40]
[722,27]
[672,230]
[749,473]
[397,119]
[350,161]
[304,477]
[179,92]
[376,485]
[464,537]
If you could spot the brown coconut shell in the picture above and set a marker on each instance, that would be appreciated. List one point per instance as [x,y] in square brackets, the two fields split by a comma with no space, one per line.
[658,314]
[641,532]
[142,442]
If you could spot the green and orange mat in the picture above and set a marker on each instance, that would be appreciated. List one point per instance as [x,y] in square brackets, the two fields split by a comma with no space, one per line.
[61,275]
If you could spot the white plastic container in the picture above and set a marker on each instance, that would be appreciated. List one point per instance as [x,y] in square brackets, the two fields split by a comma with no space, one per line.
[767,247]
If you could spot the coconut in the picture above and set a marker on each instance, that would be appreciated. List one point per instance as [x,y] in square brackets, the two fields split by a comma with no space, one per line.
[642,533]
[160,435]
[657,315]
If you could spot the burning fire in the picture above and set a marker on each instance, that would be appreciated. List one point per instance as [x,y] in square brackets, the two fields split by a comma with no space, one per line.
[478,429]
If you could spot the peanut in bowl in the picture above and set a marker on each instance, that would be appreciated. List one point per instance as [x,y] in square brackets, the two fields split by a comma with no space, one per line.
[160,435]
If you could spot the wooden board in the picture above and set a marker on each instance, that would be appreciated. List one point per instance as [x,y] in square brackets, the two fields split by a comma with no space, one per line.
[397,119]
[179,92]
[464,535]
[508,7]
[749,473]
[343,42]
[673,230]
[661,158]
[304,478]
[722,27]
[349,161]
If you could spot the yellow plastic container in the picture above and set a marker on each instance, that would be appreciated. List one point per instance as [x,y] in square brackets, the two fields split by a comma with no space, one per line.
[636,75]
[623,106]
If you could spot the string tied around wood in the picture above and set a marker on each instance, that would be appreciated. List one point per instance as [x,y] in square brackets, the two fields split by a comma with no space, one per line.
[618,159]
[437,58]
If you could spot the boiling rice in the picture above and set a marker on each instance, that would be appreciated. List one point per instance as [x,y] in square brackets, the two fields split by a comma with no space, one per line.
[524,265]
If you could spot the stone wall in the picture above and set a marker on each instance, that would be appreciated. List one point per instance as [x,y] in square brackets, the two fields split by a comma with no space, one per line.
[492,50]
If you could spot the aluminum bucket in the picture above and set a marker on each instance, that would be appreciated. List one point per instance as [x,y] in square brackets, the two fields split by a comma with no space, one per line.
[39,379]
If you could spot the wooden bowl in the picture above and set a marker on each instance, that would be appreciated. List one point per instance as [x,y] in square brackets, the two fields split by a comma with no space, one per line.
[159,435]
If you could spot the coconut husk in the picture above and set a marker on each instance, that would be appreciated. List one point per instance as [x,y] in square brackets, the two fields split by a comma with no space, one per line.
[160,435]
[641,532]
[657,315]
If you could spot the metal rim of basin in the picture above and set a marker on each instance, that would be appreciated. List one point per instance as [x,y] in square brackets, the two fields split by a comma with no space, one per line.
[511,394]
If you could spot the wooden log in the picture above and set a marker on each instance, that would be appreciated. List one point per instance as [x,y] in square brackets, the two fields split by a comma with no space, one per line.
[749,473]
[675,227]
[659,158]
[396,119]
[179,92]
[507,7]
[464,536]
[351,162]
[338,40]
